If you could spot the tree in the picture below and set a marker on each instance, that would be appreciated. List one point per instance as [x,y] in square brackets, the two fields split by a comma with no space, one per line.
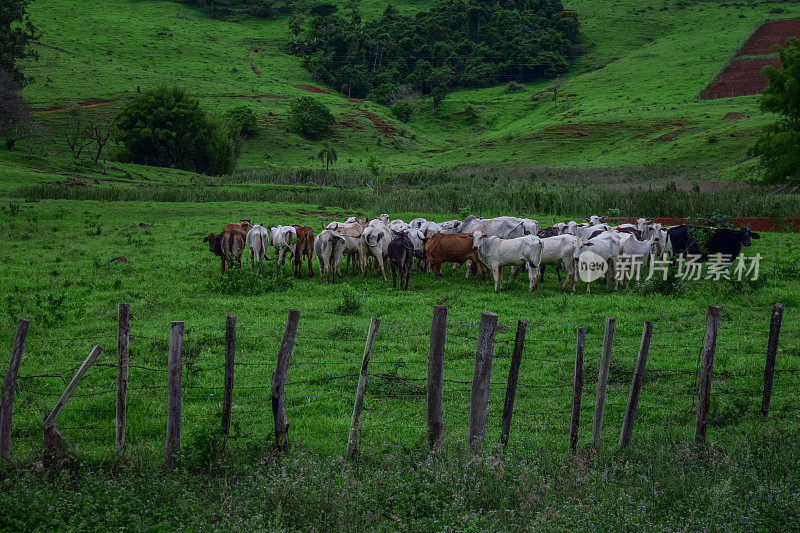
[310,118]
[779,146]
[165,127]
[14,112]
[327,155]
[16,30]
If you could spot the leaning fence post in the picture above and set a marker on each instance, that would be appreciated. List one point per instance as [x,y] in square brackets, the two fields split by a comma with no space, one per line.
[53,439]
[123,361]
[279,379]
[577,390]
[602,381]
[174,367]
[352,439]
[706,370]
[230,353]
[636,386]
[436,375]
[513,375]
[772,350]
[10,387]
[479,397]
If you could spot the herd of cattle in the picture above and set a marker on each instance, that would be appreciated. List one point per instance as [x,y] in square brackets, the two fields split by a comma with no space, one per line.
[490,243]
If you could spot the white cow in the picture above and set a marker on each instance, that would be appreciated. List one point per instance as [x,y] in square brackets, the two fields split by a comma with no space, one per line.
[429,229]
[450,227]
[417,222]
[375,243]
[283,239]
[258,240]
[558,250]
[398,225]
[329,246]
[634,252]
[503,227]
[606,246]
[497,253]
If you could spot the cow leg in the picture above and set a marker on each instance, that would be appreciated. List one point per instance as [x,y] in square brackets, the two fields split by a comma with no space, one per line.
[222,257]
[310,269]
[496,274]
[381,267]
[437,269]
[394,277]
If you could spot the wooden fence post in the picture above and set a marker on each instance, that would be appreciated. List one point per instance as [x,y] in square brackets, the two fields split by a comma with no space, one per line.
[123,361]
[479,397]
[513,376]
[636,386]
[436,375]
[230,353]
[602,381]
[577,390]
[10,387]
[352,439]
[706,370]
[53,440]
[174,368]
[772,350]
[279,379]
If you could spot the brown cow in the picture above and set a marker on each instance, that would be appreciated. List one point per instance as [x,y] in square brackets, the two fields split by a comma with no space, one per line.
[456,247]
[228,245]
[304,247]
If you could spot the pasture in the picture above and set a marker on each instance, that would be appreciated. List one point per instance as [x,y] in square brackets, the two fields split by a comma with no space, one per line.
[57,273]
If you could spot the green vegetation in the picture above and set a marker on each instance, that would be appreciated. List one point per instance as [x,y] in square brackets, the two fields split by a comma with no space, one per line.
[752,486]
[779,147]
[242,120]
[310,118]
[164,127]
[232,10]
[457,43]
[16,32]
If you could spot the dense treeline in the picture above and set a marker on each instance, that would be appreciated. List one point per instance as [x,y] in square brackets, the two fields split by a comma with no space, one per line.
[457,43]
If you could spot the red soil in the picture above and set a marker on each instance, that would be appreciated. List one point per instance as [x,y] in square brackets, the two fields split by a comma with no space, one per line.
[349,125]
[258,72]
[769,34]
[733,116]
[312,89]
[66,107]
[380,125]
[739,79]
[671,136]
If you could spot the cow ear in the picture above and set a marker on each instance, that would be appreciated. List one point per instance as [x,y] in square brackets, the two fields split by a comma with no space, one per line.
[755,236]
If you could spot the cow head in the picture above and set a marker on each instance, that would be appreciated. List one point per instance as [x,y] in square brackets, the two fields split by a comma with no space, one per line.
[246,225]
[745,235]
[214,243]
[477,239]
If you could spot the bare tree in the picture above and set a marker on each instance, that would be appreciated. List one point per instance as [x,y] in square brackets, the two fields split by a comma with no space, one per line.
[100,133]
[76,132]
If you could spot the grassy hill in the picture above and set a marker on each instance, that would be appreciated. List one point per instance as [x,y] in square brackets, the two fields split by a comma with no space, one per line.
[635,88]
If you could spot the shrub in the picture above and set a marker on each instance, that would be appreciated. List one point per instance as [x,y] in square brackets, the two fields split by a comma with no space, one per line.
[242,120]
[350,304]
[514,87]
[719,220]
[402,111]
[470,115]
[164,127]
[310,118]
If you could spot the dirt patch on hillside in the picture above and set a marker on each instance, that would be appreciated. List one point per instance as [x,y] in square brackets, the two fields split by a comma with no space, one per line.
[92,103]
[380,125]
[348,125]
[769,34]
[733,116]
[254,69]
[741,78]
[312,89]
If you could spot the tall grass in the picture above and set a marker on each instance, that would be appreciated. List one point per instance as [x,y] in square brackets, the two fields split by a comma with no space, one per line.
[488,192]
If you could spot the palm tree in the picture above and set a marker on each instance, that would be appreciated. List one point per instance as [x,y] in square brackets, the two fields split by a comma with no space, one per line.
[327,155]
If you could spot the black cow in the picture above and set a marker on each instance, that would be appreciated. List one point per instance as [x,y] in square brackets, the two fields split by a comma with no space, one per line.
[401,251]
[724,241]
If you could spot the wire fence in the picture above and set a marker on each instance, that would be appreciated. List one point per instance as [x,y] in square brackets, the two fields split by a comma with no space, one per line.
[324,370]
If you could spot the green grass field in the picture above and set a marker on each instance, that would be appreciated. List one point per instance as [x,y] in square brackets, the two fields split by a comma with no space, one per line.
[60,276]
[644,65]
